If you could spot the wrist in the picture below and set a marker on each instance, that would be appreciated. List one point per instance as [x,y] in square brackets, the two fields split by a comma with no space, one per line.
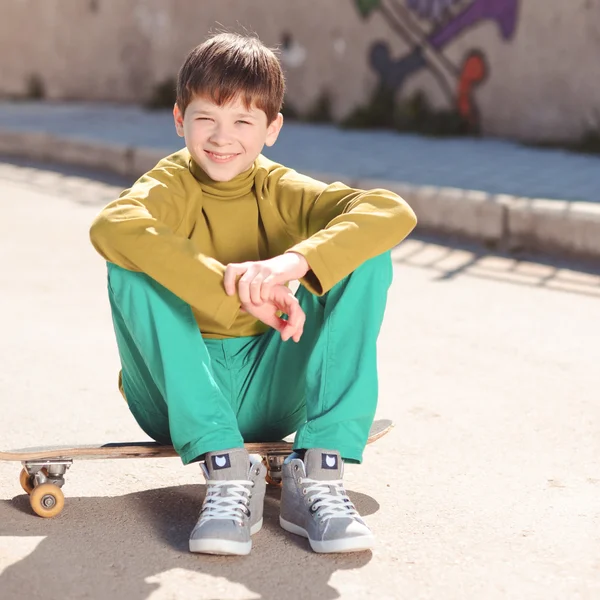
[302,266]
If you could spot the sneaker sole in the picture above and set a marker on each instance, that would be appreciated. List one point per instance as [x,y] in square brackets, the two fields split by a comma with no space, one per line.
[224,547]
[356,544]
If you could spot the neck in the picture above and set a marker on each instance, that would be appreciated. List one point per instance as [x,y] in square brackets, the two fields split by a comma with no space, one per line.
[240,185]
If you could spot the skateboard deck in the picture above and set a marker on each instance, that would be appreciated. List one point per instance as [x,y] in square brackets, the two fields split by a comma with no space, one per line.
[44,468]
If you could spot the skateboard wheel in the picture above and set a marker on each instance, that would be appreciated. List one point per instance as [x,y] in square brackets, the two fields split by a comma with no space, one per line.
[274,464]
[273,482]
[26,482]
[268,478]
[47,500]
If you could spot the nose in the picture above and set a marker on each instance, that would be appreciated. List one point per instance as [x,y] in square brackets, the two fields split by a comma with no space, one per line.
[220,136]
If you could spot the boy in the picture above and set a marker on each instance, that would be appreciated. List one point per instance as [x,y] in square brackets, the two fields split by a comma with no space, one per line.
[200,251]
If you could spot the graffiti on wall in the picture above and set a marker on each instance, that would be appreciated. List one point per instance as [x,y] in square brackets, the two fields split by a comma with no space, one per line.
[427,27]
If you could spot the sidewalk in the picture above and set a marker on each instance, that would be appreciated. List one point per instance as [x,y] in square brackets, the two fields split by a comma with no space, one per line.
[480,188]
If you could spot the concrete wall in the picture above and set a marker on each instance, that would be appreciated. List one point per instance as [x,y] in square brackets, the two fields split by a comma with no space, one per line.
[521,68]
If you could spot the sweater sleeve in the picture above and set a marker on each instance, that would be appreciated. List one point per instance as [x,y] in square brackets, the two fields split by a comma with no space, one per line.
[337,228]
[146,230]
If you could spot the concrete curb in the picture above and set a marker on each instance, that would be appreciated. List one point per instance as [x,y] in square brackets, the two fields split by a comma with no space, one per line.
[556,227]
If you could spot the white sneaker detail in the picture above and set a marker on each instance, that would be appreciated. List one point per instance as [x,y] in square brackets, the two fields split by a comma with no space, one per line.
[233,506]
[325,504]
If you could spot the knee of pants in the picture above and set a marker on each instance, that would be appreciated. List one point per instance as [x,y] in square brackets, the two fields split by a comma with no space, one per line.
[121,284]
[118,277]
[379,268]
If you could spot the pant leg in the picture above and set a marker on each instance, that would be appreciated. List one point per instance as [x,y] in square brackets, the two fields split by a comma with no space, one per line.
[173,388]
[271,385]
[326,386]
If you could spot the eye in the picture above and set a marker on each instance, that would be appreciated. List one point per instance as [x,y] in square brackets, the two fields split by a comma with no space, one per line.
[244,122]
[203,119]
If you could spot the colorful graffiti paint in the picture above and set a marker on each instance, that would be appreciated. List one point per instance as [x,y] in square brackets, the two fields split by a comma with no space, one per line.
[427,27]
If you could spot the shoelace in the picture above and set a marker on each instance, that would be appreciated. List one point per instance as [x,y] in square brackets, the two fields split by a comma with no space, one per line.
[326,504]
[233,506]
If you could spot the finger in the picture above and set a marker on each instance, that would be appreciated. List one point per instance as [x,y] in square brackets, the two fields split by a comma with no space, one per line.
[284,300]
[266,289]
[287,333]
[271,280]
[300,330]
[291,332]
[232,271]
[296,320]
[275,322]
[244,285]
[256,290]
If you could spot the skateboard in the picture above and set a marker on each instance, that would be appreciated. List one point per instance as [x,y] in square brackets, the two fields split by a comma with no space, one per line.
[44,469]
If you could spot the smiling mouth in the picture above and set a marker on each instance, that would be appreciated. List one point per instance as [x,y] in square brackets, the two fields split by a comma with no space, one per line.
[219,157]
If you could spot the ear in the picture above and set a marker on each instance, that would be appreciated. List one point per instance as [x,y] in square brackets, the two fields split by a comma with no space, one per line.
[273,130]
[178,117]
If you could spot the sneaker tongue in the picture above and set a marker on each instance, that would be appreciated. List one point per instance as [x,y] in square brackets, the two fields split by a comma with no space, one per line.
[228,464]
[323,465]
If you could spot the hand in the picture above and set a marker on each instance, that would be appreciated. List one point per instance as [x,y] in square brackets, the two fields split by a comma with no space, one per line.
[257,278]
[280,298]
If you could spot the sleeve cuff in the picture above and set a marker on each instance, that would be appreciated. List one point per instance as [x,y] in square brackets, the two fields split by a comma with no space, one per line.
[228,311]
[318,280]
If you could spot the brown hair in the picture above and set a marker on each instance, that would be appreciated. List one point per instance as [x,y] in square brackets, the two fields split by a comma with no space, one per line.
[227,65]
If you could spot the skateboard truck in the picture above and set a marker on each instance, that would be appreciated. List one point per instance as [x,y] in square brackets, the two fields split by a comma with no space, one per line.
[274,464]
[42,480]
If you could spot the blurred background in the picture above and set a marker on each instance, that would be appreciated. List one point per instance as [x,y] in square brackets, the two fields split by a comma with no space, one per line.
[525,69]
[494,96]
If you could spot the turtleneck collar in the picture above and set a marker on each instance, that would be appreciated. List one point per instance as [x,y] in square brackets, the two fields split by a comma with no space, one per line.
[239,186]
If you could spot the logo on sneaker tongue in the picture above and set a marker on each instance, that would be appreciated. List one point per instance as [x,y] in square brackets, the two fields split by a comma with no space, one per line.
[329,461]
[220,461]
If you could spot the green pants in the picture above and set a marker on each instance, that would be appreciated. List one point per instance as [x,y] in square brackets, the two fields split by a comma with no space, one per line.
[204,395]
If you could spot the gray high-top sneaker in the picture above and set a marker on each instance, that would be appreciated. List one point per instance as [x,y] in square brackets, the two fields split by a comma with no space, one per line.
[232,510]
[314,504]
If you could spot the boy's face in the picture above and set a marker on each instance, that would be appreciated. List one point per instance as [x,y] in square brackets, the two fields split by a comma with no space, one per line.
[225,140]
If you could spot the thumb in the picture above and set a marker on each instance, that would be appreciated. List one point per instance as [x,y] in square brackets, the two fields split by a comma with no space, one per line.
[232,271]
[275,322]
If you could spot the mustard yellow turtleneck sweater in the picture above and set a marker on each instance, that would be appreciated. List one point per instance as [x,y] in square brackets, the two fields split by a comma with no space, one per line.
[182,229]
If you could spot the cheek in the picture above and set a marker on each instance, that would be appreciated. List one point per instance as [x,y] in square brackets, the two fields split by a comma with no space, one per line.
[194,131]
[254,139]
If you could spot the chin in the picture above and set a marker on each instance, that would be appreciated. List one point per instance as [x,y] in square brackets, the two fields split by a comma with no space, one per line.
[219,173]
[215,174]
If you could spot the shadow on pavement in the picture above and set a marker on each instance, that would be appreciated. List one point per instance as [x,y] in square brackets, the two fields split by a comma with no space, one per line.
[103,547]
[450,258]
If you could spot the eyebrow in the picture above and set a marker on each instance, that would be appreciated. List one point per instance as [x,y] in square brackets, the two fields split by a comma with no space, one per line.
[200,111]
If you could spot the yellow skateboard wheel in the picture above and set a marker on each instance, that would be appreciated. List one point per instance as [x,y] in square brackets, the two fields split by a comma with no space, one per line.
[47,500]
[26,482]
[273,482]
[269,479]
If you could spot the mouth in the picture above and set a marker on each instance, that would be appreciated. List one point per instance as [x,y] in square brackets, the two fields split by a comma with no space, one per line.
[220,157]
